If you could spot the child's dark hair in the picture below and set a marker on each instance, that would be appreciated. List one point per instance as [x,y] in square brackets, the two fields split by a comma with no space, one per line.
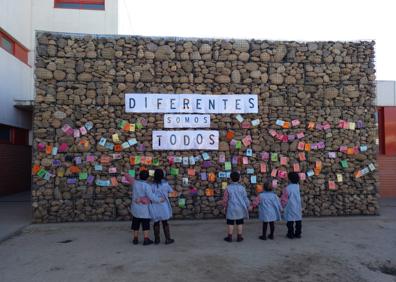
[143,174]
[234,176]
[293,177]
[267,185]
[158,175]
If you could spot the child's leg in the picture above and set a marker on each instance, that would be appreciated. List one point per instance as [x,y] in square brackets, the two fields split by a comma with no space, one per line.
[297,234]
[146,230]
[230,230]
[239,223]
[290,231]
[135,229]
[156,228]
[272,229]
[165,226]
[264,235]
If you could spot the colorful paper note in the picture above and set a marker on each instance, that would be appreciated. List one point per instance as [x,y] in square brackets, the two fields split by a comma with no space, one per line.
[112,169]
[227,165]
[253,179]
[302,156]
[83,130]
[295,122]
[255,122]
[238,145]
[230,134]
[191,172]
[115,138]
[263,167]
[332,155]
[274,157]
[310,173]
[245,160]
[250,170]
[283,160]
[174,171]
[344,163]
[332,185]
[239,118]
[249,152]
[83,176]
[339,177]
[296,167]
[98,167]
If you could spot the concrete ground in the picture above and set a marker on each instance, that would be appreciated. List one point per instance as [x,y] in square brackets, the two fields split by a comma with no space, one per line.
[15,214]
[332,249]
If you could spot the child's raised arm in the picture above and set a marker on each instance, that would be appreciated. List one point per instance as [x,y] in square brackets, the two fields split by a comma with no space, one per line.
[129,178]
[284,198]
[255,202]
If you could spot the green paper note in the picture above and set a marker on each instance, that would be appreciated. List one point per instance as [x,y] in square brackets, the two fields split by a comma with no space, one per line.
[131,172]
[156,162]
[121,123]
[139,125]
[83,176]
[238,144]
[137,160]
[227,165]
[41,172]
[344,164]
[274,157]
[182,203]
[174,171]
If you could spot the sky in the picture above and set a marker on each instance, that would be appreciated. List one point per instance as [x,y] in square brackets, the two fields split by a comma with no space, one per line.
[302,20]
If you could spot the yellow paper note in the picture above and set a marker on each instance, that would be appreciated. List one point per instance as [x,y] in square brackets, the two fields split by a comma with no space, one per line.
[339,177]
[115,137]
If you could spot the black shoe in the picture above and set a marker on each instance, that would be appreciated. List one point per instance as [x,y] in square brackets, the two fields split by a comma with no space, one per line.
[147,241]
[271,236]
[240,238]
[290,236]
[262,237]
[228,239]
[135,241]
[169,241]
[297,236]
[157,241]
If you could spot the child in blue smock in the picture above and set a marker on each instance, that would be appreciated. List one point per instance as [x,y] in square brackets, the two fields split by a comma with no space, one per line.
[161,212]
[141,197]
[291,203]
[269,210]
[236,205]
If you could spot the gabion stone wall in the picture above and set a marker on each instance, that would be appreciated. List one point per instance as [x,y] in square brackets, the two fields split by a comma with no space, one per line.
[316,116]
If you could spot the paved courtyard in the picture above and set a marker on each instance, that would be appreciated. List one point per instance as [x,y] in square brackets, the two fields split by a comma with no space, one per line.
[332,249]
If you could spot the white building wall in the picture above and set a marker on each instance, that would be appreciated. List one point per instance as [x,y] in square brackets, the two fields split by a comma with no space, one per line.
[386,93]
[15,76]
[15,19]
[46,17]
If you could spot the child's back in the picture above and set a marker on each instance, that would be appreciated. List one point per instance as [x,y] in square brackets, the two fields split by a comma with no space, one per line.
[291,201]
[269,207]
[238,202]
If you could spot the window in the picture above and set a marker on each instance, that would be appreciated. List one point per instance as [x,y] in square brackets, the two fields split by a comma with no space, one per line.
[80,4]
[5,134]
[13,47]
[13,135]
[7,44]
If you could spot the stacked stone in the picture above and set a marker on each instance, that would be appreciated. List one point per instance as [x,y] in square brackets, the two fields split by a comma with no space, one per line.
[82,78]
